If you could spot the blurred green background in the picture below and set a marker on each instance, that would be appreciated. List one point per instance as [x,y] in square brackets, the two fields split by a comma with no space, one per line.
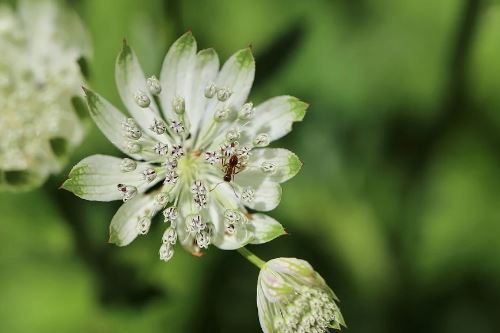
[397,205]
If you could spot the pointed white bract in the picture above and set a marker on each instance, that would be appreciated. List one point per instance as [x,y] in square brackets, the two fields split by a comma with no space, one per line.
[194,144]
[40,86]
[293,298]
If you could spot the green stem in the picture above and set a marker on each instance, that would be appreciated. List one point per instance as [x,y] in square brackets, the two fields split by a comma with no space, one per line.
[251,257]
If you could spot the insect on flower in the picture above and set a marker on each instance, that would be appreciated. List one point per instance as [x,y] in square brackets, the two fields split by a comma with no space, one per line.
[186,131]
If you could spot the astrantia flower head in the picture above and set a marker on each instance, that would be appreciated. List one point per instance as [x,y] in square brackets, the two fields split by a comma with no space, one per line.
[196,151]
[39,76]
[293,298]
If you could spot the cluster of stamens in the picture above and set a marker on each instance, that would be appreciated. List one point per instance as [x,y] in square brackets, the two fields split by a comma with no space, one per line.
[174,129]
[233,219]
[310,310]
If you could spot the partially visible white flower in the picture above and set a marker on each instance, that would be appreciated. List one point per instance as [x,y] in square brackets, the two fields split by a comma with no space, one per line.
[293,298]
[40,78]
[196,140]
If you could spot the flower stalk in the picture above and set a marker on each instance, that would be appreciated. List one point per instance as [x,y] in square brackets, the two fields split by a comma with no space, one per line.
[250,256]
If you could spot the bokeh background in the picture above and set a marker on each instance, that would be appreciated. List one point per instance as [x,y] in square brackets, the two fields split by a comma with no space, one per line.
[397,204]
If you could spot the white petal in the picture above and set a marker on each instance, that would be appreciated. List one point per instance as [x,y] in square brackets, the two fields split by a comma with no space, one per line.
[275,118]
[237,74]
[264,228]
[286,165]
[265,310]
[123,228]
[205,72]
[220,238]
[96,178]
[109,120]
[267,194]
[177,71]
[130,79]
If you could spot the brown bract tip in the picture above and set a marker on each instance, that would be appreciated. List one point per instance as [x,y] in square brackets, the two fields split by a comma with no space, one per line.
[198,254]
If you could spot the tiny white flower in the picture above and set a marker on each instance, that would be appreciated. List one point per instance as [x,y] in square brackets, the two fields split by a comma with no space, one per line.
[293,297]
[205,181]
[40,90]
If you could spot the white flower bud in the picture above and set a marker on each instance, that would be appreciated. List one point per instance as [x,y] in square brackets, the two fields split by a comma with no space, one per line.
[128,191]
[222,113]
[166,252]
[292,284]
[179,105]
[143,225]
[170,214]
[133,148]
[261,140]
[233,135]
[247,111]
[223,94]
[169,236]
[161,199]
[268,167]
[158,127]
[153,85]
[141,99]
[128,165]
[210,90]
[149,175]
[131,129]
[248,194]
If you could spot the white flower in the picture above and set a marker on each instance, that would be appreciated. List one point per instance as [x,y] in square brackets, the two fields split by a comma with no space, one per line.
[39,90]
[293,298]
[206,163]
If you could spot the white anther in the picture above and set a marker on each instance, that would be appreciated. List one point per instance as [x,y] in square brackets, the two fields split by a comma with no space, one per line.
[179,105]
[261,140]
[143,225]
[231,216]
[227,149]
[131,129]
[170,214]
[128,165]
[230,229]
[221,113]
[158,127]
[268,167]
[170,163]
[160,148]
[200,200]
[177,126]
[243,153]
[211,157]
[203,239]
[247,111]
[133,147]
[141,99]
[233,134]
[195,224]
[153,85]
[248,194]
[161,199]
[149,175]
[198,187]
[223,94]
[127,191]
[169,236]
[210,90]
[177,151]
[166,252]
[171,177]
